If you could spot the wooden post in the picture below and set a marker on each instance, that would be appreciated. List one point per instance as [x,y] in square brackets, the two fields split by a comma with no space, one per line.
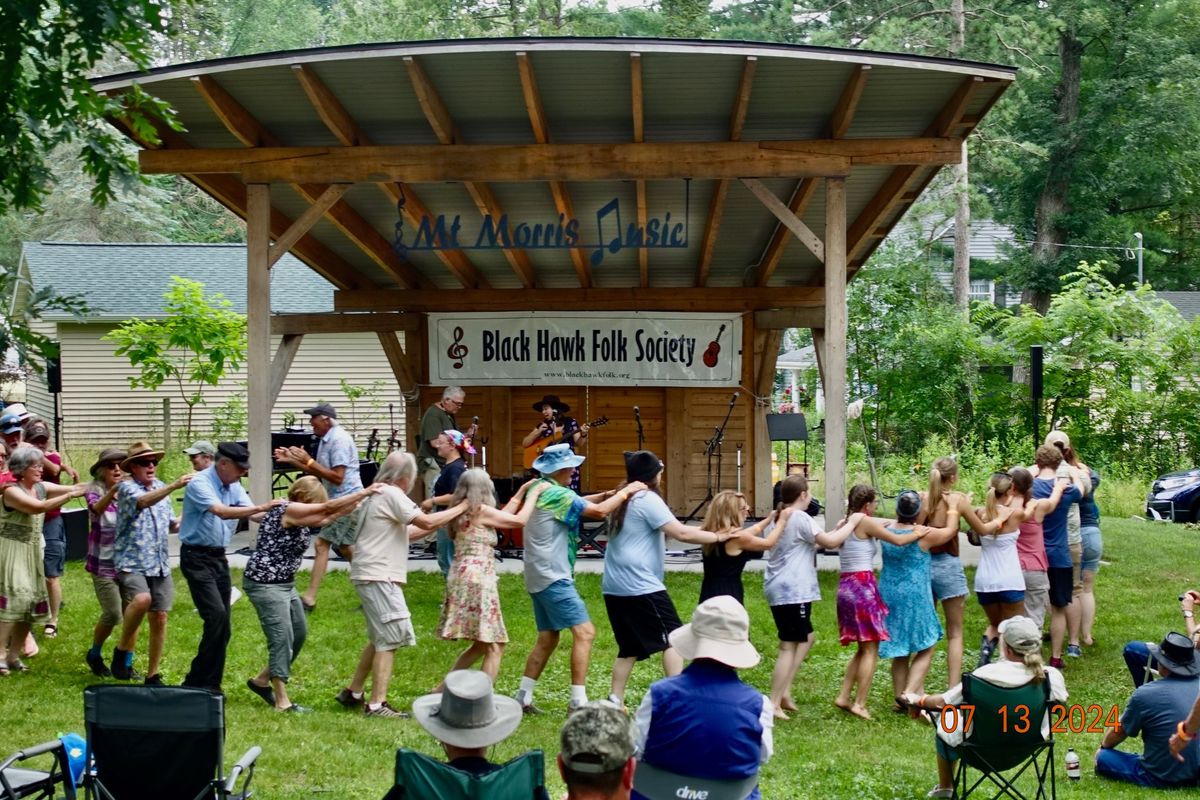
[675,419]
[167,424]
[500,437]
[835,348]
[414,351]
[258,335]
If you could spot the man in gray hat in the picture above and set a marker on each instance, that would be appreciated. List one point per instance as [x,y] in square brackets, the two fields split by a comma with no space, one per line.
[336,464]
[596,760]
[1154,711]
[202,454]
[467,717]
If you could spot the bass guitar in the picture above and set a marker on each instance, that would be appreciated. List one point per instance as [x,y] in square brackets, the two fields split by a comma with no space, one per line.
[534,450]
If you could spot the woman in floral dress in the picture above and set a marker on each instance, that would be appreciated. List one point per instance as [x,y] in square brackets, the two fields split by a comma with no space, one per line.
[472,607]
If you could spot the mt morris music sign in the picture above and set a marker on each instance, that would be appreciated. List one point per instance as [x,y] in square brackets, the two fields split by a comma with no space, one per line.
[586,349]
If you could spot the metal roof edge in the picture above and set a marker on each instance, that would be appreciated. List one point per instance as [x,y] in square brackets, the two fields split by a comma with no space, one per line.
[556,44]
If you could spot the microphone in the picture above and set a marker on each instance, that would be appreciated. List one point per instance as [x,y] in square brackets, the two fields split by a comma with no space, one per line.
[733,399]
[637,412]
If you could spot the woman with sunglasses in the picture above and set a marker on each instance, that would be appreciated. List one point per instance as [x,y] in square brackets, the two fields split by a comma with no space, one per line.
[101,498]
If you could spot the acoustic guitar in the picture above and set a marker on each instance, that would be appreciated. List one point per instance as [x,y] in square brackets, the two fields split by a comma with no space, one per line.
[713,352]
[534,450]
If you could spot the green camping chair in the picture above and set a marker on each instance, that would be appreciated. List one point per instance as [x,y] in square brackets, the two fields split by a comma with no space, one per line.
[419,777]
[994,747]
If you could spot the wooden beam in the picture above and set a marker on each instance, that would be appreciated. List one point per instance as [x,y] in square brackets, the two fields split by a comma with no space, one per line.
[258,339]
[281,364]
[637,101]
[630,299]
[447,132]
[843,112]
[819,351]
[879,208]
[793,158]
[541,134]
[398,360]
[784,318]
[801,197]
[253,134]
[675,421]
[286,324]
[835,347]
[765,378]
[305,221]
[785,215]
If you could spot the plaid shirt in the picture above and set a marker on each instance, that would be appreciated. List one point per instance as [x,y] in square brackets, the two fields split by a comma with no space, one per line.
[102,538]
[141,544]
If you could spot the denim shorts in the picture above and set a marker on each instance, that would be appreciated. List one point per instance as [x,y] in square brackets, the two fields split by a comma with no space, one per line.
[54,554]
[947,577]
[1010,597]
[1093,548]
[559,606]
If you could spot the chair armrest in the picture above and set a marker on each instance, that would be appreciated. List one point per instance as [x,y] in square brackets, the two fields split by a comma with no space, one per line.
[244,765]
[31,752]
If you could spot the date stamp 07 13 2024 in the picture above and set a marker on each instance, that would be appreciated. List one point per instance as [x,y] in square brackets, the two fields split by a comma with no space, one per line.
[1018,719]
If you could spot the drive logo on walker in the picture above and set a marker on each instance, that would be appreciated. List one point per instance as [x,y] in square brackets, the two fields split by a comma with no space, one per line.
[622,348]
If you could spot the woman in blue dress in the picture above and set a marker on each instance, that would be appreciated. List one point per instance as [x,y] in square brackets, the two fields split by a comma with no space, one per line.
[912,620]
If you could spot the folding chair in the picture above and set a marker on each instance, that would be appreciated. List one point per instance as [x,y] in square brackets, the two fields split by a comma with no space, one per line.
[1000,743]
[419,777]
[20,782]
[154,742]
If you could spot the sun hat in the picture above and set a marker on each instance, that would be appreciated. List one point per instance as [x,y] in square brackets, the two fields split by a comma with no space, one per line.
[19,410]
[720,630]
[459,440]
[1177,654]
[552,401]
[322,410]
[36,429]
[556,457]
[109,455]
[201,446]
[235,452]
[641,465]
[908,504]
[140,449]
[10,423]
[467,713]
[1021,634]
[596,738]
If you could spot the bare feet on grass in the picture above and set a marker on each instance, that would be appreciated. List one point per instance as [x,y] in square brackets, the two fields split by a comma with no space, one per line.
[788,704]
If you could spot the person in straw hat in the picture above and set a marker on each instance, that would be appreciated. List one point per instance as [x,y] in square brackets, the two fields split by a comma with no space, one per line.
[144,518]
[467,718]
[101,498]
[704,729]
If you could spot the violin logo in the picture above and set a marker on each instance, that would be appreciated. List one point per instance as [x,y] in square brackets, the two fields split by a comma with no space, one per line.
[457,351]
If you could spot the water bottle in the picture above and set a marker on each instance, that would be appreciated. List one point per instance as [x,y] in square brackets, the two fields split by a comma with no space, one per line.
[1072,764]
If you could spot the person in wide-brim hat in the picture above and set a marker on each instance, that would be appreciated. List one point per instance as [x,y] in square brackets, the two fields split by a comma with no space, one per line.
[140,450]
[468,717]
[109,455]
[552,401]
[557,457]
[720,631]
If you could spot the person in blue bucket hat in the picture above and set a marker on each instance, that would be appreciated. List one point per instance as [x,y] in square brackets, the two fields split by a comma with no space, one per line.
[551,538]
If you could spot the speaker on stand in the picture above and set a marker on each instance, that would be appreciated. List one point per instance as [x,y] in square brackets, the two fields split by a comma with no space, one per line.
[54,385]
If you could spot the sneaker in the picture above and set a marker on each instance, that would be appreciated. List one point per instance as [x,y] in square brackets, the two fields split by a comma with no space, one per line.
[294,708]
[527,708]
[95,662]
[1074,651]
[120,670]
[1057,663]
[941,791]
[346,698]
[986,648]
[264,692]
[616,702]
[574,706]
[384,710]
[154,680]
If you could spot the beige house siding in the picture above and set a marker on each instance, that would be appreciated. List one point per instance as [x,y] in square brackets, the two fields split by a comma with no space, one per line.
[99,407]
[38,400]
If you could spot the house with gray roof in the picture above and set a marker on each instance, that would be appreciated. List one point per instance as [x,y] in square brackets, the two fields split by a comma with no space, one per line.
[124,281]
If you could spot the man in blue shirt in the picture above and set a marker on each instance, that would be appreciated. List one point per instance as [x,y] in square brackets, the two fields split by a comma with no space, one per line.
[212,504]
[1155,711]
[1058,553]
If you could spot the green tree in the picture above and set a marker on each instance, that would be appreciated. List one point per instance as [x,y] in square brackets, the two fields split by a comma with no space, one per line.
[18,334]
[198,341]
[47,50]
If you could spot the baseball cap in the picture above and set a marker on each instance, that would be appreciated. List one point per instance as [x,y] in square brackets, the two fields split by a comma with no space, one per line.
[36,429]
[10,423]
[201,446]
[322,410]
[596,738]
[1021,634]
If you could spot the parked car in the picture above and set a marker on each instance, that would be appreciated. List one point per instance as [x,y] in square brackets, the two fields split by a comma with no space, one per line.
[1175,496]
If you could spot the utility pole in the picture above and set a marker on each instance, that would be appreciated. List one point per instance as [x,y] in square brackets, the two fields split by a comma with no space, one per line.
[1138,236]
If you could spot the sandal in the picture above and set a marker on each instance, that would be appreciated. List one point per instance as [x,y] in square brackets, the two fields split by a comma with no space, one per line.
[4,670]
[18,666]
[50,631]
[308,609]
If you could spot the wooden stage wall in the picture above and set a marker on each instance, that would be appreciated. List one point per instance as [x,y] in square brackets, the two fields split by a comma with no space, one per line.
[676,422]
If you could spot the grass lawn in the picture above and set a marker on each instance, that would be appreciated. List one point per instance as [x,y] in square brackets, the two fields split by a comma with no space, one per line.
[820,753]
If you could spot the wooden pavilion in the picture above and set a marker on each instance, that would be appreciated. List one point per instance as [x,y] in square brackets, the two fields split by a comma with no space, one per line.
[363,162]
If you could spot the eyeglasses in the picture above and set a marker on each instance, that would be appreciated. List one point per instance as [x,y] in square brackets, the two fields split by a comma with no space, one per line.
[145,462]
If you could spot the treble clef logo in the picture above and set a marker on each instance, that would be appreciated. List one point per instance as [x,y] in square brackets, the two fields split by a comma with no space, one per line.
[457,351]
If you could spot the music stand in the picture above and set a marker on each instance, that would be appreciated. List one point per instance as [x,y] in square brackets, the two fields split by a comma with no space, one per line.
[788,428]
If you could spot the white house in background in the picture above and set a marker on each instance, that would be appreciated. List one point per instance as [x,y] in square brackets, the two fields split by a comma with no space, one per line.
[795,362]
[988,240]
[123,281]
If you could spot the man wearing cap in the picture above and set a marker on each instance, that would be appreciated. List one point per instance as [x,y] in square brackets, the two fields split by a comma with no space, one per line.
[12,429]
[212,504]
[551,538]
[596,756]
[336,464]
[1155,711]
[201,454]
[704,730]
[1019,663]
[437,418]
[144,518]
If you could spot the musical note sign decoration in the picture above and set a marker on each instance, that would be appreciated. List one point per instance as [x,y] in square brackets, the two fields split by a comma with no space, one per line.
[586,349]
[435,233]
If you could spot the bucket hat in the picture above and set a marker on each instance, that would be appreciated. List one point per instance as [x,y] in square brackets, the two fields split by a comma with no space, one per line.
[720,630]
[556,457]
[468,713]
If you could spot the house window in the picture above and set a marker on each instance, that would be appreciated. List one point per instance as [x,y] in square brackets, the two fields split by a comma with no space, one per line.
[981,290]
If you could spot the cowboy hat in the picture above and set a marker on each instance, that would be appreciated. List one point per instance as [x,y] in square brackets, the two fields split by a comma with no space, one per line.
[719,630]
[467,713]
[556,457]
[138,450]
[552,401]
[1177,654]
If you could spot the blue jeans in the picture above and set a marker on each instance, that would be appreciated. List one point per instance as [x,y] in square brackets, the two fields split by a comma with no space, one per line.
[1127,767]
[1142,665]
[445,551]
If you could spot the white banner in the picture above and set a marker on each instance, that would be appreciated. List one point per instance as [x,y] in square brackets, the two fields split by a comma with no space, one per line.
[583,348]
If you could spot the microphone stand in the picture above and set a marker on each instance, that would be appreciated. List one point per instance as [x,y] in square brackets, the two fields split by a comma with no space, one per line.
[637,415]
[713,448]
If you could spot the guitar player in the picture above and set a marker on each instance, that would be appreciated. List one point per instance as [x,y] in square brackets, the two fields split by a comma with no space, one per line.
[556,427]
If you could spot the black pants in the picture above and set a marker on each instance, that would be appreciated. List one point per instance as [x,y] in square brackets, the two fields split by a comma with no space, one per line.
[207,573]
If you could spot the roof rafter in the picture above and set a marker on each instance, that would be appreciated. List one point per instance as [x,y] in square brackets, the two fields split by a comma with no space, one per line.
[716,207]
[541,134]
[638,103]
[879,208]
[253,134]
[342,125]
[590,299]
[481,193]
[847,105]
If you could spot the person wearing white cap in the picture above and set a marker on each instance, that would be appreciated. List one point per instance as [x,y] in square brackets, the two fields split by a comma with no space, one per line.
[704,729]
[551,538]
[201,454]
[1020,663]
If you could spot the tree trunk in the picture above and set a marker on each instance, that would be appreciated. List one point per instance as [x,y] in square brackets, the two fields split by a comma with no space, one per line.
[1054,201]
[962,200]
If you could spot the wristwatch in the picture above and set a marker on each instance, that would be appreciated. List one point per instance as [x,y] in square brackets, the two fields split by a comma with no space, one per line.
[1188,614]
